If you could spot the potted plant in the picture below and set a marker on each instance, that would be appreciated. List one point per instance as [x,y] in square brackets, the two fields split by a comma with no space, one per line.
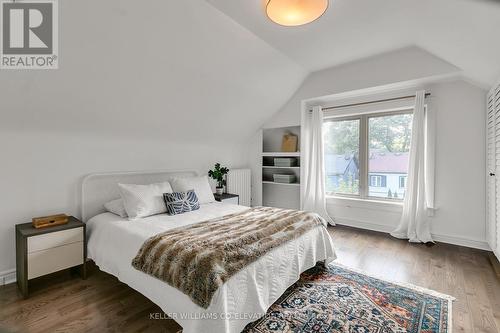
[218,174]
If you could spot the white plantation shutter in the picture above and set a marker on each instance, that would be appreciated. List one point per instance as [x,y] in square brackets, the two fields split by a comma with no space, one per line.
[493,164]
[491,161]
[496,231]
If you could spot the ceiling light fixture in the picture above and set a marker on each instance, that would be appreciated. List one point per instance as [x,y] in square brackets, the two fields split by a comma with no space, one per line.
[295,12]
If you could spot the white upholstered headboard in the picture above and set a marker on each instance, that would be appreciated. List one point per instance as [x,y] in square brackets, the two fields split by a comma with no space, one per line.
[99,188]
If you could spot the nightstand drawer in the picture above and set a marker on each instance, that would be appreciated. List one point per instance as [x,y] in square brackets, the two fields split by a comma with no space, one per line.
[233,201]
[54,239]
[55,259]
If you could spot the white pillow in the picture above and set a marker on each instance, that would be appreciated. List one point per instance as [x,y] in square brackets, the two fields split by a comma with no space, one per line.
[116,207]
[144,200]
[200,186]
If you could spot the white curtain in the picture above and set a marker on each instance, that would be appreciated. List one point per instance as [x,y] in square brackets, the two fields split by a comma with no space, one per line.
[313,164]
[419,197]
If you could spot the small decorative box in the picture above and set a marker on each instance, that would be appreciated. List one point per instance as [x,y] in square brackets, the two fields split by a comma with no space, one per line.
[49,221]
[285,161]
[288,179]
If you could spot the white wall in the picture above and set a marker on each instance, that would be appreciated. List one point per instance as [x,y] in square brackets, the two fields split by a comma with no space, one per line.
[42,172]
[460,148]
[397,66]
[460,161]
[141,85]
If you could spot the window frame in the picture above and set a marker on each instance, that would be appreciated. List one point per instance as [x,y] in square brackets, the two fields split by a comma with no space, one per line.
[364,177]
[379,182]
[402,178]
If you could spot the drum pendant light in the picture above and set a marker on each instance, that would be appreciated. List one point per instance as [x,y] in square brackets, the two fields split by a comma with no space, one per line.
[295,12]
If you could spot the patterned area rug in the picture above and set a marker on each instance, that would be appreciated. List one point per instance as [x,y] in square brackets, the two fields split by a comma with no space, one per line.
[335,299]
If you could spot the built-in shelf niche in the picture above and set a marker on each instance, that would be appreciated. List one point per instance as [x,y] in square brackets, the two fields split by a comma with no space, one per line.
[267,173]
[274,194]
[273,137]
[268,161]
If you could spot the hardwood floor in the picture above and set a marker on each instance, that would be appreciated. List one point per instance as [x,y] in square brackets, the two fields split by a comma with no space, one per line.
[65,303]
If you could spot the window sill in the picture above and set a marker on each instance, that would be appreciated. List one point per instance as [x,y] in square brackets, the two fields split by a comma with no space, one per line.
[365,203]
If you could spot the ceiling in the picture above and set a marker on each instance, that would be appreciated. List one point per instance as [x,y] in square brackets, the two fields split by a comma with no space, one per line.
[462,32]
[189,71]
[180,70]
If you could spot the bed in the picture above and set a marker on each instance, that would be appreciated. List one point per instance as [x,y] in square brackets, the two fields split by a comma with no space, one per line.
[113,242]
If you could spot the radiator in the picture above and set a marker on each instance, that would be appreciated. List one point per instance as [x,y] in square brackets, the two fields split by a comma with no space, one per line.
[239,182]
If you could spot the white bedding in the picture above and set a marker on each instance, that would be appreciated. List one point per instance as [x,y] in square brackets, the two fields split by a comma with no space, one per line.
[113,242]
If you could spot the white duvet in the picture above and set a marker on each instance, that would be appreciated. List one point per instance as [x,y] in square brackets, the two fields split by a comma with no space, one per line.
[113,242]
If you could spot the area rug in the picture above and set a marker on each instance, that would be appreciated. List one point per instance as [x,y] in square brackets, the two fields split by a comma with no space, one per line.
[337,299]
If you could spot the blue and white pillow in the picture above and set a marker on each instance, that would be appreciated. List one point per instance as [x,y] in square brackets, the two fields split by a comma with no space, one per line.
[181,202]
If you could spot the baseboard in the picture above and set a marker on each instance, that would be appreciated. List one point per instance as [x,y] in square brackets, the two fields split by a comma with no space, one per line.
[7,277]
[466,242]
[364,225]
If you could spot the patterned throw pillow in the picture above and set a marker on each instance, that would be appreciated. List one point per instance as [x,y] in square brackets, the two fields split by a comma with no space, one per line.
[181,202]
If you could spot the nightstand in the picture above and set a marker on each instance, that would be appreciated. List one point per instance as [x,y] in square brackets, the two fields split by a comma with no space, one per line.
[227,198]
[47,250]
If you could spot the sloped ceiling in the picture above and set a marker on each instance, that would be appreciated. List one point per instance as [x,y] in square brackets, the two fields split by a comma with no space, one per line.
[180,70]
[462,32]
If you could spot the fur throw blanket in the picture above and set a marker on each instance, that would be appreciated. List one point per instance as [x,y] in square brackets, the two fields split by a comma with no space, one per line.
[197,259]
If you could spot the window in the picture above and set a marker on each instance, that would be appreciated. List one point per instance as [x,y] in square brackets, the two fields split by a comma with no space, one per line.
[367,155]
[378,181]
[341,156]
[402,181]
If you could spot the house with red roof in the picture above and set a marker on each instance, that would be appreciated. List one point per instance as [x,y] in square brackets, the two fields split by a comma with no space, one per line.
[387,174]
